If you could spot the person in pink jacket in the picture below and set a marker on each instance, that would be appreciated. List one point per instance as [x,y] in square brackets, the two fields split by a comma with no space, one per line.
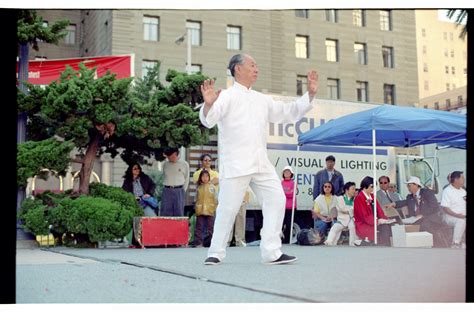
[288,185]
[364,215]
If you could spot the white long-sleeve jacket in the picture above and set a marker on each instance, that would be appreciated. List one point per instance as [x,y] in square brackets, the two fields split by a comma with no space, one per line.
[242,116]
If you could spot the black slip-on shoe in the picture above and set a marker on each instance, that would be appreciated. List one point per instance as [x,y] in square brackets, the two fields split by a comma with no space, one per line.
[212,261]
[283,259]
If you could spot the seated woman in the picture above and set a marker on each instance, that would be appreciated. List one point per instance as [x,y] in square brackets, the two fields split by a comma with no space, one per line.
[142,186]
[364,215]
[323,205]
[345,216]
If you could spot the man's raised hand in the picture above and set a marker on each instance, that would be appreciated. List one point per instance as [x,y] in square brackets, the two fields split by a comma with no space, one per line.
[208,92]
[313,79]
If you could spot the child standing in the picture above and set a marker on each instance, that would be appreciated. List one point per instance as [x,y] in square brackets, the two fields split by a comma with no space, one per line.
[288,185]
[205,207]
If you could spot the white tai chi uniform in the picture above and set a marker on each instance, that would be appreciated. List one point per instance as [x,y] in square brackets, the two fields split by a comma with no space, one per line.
[242,116]
[454,199]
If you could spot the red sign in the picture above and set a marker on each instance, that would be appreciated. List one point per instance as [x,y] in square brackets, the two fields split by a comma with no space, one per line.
[45,71]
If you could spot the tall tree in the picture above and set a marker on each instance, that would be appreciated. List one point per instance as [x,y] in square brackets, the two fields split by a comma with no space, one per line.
[108,115]
[30,29]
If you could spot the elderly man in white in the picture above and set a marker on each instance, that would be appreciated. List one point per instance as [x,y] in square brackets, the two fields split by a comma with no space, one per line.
[453,203]
[242,116]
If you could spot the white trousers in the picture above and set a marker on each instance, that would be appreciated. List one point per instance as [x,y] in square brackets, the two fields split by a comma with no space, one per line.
[335,233]
[267,188]
[459,225]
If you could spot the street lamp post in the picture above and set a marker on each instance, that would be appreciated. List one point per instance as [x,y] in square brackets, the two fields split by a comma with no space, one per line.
[178,41]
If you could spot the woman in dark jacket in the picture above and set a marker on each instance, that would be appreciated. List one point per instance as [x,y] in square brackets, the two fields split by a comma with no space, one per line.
[142,186]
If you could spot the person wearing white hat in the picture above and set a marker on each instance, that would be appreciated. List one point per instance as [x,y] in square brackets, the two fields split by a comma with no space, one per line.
[422,203]
[288,185]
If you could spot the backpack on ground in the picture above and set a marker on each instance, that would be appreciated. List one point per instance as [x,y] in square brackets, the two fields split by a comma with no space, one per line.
[308,237]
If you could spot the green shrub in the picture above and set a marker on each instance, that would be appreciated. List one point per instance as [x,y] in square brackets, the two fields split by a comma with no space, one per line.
[126,199]
[33,214]
[99,218]
[106,214]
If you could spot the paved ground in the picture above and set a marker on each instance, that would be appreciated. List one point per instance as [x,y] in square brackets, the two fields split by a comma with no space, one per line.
[177,275]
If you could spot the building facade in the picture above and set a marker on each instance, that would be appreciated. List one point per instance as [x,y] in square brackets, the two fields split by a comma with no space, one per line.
[442,55]
[361,55]
[453,100]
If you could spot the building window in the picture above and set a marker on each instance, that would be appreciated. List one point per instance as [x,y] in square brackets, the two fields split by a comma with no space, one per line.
[70,38]
[331,50]
[362,94]
[234,38]
[445,36]
[387,55]
[424,49]
[360,53]
[301,84]
[302,13]
[301,47]
[453,70]
[385,20]
[425,67]
[436,105]
[465,71]
[446,69]
[446,52]
[358,18]
[448,103]
[451,36]
[389,94]
[331,16]
[147,65]
[460,102]
[452,53]
[423,32]
[425,106]
[195,68]
[151,27]
[427,87]
[194,29]
[333,88]
[454,86]
[447,86]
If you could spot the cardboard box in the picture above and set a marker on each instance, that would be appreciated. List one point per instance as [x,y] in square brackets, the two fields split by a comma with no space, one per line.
[402,238]
[161,231]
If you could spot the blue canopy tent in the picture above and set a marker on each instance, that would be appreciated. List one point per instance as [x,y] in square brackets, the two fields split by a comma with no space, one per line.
[388,125]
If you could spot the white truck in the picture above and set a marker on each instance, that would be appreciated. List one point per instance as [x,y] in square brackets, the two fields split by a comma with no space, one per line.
[353,162]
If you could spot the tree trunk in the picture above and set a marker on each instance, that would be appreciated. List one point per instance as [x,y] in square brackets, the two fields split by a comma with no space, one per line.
[88,165]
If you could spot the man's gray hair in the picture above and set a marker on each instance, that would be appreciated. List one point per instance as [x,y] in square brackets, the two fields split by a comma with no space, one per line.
[236,59]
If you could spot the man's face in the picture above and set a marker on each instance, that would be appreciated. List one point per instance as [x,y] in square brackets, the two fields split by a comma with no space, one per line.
[459,182]
[383,184]
[413,188]
[247,72]
[330,164]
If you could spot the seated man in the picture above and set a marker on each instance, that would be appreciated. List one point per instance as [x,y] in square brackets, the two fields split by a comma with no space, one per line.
[385,197]
[453,203]
[422,203]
